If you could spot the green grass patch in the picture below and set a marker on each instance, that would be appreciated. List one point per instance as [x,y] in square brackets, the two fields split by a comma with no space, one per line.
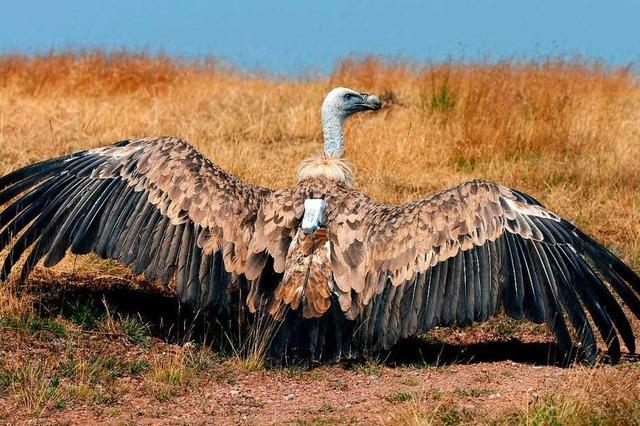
[33,325]
[410,381]
[100,370]
[440,97]
[85,313]
[134,329]
[400,396]
[370,367]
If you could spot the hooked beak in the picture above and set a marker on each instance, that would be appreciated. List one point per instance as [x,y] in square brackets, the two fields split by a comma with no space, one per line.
[371,102]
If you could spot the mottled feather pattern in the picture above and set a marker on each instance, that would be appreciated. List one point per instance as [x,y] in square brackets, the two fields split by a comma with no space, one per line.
[185,185]
[306,283]
[156,204]
[375,241]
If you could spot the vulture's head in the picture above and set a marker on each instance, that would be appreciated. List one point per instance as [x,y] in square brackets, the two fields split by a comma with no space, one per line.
[342,102]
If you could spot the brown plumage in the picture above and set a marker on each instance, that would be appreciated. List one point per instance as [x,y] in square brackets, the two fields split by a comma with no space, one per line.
[370,275]
[306,283]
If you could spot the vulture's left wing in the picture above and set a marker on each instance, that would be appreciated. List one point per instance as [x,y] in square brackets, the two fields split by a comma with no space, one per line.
[156,204]
[460,255]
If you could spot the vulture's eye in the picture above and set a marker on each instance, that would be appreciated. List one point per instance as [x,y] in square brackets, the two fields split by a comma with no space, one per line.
[349,96]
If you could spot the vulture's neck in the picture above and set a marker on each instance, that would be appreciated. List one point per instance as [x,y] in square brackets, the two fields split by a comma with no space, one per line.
[332,123]
[330,165]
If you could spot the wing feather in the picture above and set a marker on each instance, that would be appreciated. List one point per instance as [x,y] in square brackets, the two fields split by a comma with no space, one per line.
[150,203]
[549,293]
[460,255]
[428,316]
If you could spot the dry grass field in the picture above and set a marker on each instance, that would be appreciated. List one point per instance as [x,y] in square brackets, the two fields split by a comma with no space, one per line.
[73,349]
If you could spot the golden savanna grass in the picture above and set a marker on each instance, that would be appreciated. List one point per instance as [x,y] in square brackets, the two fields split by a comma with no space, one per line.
[567,133]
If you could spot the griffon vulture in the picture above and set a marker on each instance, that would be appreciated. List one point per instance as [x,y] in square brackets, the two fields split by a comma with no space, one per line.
[342,274]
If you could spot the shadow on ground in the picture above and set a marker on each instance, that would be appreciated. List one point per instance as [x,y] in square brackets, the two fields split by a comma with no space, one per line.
[438,353]
[173,322]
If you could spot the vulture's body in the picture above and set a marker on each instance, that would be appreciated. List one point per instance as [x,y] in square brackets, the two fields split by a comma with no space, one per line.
[359,278]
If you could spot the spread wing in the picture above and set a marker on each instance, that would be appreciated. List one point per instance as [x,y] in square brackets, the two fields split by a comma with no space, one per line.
[157,205]
[460,255]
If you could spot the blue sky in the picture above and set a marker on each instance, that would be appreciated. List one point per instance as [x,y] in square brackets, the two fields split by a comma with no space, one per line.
[289,37]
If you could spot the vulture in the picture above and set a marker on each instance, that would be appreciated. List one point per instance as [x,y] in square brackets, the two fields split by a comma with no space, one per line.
[341,275]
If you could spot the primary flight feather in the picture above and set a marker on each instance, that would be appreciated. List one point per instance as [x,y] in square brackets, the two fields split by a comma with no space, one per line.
[342,274]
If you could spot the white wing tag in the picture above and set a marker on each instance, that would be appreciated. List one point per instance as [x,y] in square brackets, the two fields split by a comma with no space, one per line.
[313,210]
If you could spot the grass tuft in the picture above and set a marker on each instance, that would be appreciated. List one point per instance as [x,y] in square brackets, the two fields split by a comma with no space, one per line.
[400,396]
[85,313]
[32,385]
[251,348]
[134,329]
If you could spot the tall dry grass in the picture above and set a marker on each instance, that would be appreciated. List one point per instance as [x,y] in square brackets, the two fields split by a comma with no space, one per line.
[566,132]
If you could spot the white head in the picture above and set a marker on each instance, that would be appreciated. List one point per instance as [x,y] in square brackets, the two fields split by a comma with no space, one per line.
[338,105]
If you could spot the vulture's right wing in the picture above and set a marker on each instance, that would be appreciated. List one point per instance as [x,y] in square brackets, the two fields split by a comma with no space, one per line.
[156,204]
[458,256]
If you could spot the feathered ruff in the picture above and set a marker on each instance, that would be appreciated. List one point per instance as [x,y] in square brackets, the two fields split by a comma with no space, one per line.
[332,168]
